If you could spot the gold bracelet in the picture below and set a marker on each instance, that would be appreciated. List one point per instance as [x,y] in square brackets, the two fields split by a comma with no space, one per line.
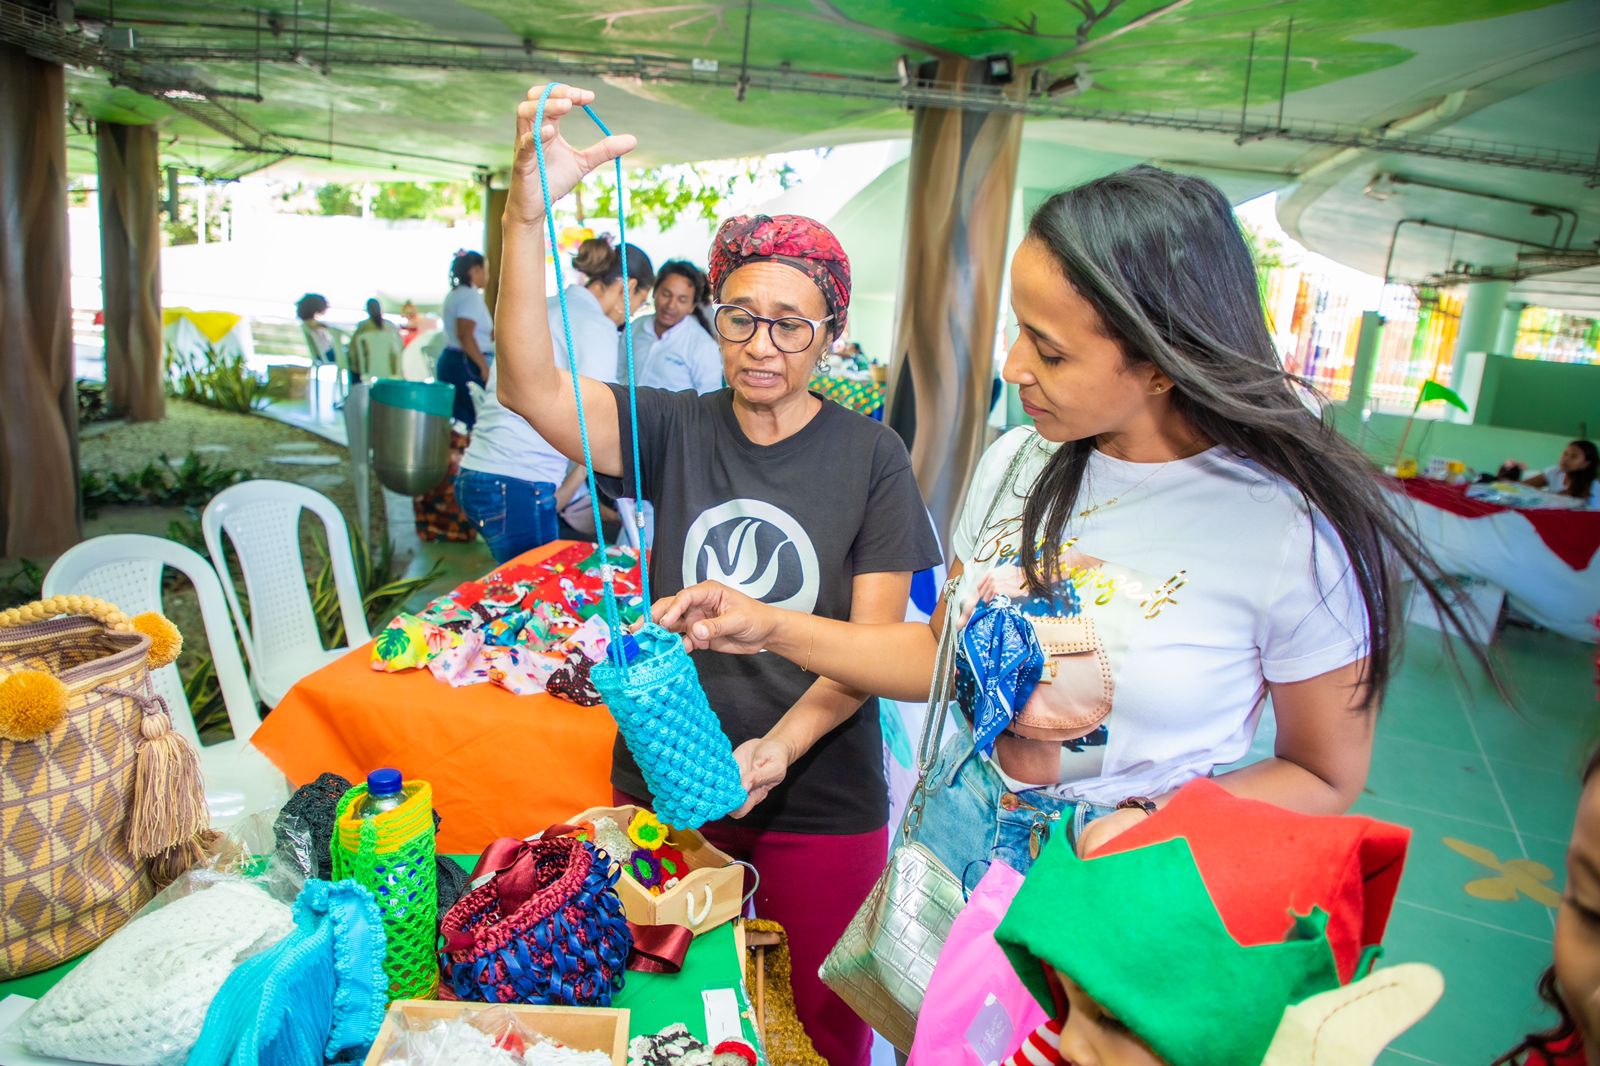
[812,642]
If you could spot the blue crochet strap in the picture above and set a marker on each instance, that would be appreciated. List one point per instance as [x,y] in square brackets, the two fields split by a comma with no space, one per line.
[613,613]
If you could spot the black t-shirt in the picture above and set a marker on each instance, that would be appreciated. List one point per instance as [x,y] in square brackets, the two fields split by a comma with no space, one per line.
[789,524]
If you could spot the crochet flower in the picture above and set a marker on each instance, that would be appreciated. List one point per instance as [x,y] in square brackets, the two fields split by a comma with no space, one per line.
[584,831]
[674,867]
[644,868]
[647,831]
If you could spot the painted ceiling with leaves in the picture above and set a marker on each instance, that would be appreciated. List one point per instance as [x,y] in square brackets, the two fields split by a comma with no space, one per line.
[427,88]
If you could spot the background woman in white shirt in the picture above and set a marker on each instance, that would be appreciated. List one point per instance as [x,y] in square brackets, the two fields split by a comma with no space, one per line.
[674,347]
[1206,538]
[1576,474]
[468,332]
[510,476]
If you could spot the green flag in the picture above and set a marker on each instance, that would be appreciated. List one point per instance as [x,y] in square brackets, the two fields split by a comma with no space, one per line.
[1432,390]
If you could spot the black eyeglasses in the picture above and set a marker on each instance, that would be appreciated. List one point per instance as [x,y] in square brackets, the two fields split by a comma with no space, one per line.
[789,334]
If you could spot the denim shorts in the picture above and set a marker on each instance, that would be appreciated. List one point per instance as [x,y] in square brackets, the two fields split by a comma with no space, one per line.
[970,818]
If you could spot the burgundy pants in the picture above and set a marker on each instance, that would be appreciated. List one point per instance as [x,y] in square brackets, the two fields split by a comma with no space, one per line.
[812,884]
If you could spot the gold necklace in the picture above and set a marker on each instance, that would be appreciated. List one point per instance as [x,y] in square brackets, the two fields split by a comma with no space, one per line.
[1127,492]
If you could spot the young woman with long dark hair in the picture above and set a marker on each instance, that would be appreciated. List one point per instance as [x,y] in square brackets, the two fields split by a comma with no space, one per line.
[1187,534]
[1574,474]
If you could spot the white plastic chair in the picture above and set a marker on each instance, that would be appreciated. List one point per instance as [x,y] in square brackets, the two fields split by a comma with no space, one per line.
[126,569]
[262,519]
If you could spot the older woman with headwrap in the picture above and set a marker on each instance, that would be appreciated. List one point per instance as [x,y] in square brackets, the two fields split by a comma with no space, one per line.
[768,488]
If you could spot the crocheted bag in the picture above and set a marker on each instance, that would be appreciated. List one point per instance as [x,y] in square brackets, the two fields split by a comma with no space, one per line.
[100,800]
[674,735]
[546,928]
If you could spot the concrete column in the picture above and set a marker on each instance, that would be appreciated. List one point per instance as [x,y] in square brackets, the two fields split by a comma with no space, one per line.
[963,168]
[38,408]
[130,269]
[1480,325]
[494,206]
[1367,341]
[1506,339]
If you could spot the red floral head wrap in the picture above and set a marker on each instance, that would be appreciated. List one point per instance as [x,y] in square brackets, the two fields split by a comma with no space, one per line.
[794,240]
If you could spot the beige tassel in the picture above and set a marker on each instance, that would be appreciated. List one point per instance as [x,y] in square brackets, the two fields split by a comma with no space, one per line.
[169,801]
[177,861]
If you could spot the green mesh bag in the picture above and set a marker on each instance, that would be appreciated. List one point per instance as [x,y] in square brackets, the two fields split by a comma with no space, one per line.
[392,856]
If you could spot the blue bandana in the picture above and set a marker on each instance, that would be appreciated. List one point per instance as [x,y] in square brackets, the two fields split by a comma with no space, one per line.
[1001,653]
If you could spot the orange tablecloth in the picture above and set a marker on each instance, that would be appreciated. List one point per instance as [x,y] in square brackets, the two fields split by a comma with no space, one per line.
[500,765]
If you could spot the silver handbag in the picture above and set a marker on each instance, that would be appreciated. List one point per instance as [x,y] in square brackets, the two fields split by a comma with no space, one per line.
[882,964]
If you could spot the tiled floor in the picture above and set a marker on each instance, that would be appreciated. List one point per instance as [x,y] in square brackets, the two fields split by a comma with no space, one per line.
[1489,794]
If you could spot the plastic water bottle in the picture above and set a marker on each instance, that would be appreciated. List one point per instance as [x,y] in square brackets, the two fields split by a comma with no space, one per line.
[385,792]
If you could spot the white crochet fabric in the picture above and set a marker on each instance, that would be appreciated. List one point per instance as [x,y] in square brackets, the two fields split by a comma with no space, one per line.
[140,998]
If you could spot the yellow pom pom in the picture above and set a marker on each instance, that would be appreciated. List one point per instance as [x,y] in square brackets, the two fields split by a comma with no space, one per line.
[31,704]
[165,640]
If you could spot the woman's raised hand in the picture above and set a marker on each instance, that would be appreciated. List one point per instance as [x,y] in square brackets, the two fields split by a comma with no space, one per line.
[712,616]
[565,166]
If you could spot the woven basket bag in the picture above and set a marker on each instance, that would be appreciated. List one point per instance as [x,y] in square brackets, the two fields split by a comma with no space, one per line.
[101,801]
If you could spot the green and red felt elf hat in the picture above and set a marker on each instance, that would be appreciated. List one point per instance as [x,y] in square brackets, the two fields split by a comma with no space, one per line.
[1225,932]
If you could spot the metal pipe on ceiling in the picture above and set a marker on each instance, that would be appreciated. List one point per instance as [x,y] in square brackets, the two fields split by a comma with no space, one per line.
[1568,218]
[39,34]
[1394,237]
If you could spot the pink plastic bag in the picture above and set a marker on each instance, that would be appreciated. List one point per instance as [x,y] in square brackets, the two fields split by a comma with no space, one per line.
[976,1011]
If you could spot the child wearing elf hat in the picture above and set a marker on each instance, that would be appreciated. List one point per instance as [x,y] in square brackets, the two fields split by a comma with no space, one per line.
[1220,932]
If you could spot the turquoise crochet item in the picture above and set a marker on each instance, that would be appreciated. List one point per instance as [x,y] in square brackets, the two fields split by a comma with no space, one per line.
[655,695]
[662,713]
[316,995]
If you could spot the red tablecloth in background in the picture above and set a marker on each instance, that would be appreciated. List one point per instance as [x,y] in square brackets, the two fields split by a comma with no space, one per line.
[500,765]
[1574,536]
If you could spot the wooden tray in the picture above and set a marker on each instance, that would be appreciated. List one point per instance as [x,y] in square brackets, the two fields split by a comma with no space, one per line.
[581,1028]
[711,894]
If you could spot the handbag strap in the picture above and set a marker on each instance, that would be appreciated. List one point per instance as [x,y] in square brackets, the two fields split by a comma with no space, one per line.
[108,614]
[944,664]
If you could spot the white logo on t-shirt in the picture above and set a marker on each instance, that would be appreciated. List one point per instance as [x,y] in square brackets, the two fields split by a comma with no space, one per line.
[755,548]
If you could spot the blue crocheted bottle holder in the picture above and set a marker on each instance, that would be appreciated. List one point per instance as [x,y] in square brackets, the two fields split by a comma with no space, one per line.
[674,735]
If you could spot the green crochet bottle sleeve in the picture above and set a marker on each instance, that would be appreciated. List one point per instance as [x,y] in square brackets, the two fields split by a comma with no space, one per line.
[395,862]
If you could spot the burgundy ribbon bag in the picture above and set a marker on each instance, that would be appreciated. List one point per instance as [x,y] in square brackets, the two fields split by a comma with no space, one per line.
[546,928]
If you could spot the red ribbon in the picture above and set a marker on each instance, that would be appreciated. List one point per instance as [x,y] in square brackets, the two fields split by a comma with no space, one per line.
[514,865]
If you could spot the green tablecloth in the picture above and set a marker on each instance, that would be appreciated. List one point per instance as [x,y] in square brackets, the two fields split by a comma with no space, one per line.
[655,1000]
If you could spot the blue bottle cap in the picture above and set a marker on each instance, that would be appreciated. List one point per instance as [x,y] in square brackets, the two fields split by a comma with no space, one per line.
[630,647]
[384,782]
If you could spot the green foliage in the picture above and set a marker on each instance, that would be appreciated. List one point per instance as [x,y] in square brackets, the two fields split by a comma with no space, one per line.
[188,532]
[665,194]
[184,227]
[191,483]
[215,380]
[336,199]
[23,585]
[92,402]
[383,590]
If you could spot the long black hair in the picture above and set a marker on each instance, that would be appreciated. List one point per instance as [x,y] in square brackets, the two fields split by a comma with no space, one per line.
[1162,260]
[682,268]
[1580,482]
[1547,1041]
[461,267]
